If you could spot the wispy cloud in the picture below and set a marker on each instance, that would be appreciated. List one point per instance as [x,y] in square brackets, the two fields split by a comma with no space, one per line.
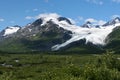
[35,9]
[96,22]
[98,2]
[12,22]
[114,16]
[46,1]
[78,20]
[29,17]
[49,15]
[117,1]
[91,20]
[101,22]
[1,20]
[32,10]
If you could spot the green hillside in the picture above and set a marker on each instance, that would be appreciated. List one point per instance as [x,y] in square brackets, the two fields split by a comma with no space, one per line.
[113,40]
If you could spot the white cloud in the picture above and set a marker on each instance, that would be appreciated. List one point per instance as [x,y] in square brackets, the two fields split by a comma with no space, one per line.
[29,17]
[54,16]
[90,20]
[1,20]
[114,16]
[45,15]
[117,1]
[49,15]
[101,22]
[99,2]
[96,22]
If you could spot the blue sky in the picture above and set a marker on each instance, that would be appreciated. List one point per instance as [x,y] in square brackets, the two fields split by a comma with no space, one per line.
[21,12]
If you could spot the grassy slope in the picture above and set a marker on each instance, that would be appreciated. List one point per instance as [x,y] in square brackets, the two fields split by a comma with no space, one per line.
[114,40]
[32,43]
[81,48]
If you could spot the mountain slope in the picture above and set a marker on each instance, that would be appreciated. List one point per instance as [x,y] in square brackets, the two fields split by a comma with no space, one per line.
[113,40]
[112,22]
[35,37]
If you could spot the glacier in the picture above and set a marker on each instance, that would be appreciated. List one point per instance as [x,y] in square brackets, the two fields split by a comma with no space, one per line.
[94,35]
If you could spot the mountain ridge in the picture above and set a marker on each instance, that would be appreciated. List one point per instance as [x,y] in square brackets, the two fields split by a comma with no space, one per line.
[55,33]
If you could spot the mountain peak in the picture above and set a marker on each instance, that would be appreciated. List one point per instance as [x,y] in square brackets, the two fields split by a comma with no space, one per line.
[88,24]
[64,19]
[112,22]
[37,22]
[117,19]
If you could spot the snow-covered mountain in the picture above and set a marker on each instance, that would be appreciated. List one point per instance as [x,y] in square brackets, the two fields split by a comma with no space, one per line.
[10,30]
[53,32]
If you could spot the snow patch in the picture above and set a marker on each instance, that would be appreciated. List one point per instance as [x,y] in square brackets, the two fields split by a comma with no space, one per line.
[10,30]
[30,30]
